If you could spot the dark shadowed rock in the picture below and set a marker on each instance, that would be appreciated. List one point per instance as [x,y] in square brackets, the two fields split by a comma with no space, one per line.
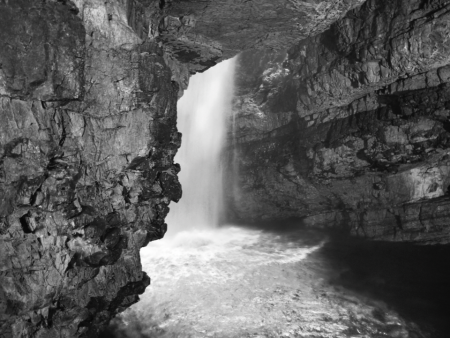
[202,32]
[350,128]
[89,114]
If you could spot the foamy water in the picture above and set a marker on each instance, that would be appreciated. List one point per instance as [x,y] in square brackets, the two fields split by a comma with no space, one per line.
[234,282]
[204,280]
[216,255]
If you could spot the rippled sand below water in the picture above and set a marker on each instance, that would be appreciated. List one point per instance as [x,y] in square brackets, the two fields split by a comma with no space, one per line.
[240,282]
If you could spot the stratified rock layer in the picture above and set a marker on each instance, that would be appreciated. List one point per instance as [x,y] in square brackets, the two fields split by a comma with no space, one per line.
[351,127]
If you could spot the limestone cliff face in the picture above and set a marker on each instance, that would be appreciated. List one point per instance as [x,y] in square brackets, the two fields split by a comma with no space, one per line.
[350,128]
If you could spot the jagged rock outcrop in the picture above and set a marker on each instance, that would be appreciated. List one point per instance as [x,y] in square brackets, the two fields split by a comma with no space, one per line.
[87,140]
[350,127]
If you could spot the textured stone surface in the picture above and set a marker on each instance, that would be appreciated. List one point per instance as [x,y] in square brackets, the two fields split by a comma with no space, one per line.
[422,222]
[202,32]
[372,46]
[332,131]
[87,141]
[315,136]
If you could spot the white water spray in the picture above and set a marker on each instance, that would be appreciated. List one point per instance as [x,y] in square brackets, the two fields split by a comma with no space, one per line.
[202,119]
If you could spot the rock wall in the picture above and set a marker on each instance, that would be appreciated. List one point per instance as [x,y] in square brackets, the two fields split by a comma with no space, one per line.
[202,32]
[350,128]
[87,140]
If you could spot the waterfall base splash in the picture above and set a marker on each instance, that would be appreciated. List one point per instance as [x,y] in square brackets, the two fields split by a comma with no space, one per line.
[236,282]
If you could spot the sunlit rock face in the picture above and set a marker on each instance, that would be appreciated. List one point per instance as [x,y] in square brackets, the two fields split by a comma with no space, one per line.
[350,127]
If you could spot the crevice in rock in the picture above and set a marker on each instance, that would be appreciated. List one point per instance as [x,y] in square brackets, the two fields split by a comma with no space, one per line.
[24,223]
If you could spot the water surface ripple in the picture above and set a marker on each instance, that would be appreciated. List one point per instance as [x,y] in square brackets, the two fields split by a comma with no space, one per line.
[241,282]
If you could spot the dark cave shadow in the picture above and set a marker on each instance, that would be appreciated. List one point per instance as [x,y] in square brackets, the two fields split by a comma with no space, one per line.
[413,280]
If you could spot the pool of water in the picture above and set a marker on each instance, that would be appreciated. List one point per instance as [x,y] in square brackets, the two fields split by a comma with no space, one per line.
[246,282]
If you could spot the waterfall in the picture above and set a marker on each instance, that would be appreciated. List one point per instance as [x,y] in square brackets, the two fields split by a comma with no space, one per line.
[214,281]
[203,112]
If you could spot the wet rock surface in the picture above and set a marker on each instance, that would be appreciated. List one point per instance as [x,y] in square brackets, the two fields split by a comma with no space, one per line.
[88,93]
[350,127]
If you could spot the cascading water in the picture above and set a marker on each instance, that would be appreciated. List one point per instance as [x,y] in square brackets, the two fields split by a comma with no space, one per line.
[202,114]
[234,282]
